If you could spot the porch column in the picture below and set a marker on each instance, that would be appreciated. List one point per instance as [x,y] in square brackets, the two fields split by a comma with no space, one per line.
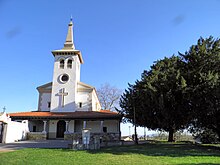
[67,126]
[84,124]
[101,126]
[45,124]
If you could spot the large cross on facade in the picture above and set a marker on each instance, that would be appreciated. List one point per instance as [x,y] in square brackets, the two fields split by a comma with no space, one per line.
[62,94]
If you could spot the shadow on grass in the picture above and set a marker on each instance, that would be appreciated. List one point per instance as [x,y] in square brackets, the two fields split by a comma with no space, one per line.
[199,164]
[161,149]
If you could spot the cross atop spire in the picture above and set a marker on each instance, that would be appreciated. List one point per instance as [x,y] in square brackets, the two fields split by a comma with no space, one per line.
[69,38]
[4,109]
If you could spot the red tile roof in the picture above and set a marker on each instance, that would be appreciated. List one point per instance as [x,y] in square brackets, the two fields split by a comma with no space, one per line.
[103,114]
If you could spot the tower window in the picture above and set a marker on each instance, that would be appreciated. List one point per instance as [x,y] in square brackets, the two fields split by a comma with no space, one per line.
[80,104]
[69,64]
[64,78]
[62,64]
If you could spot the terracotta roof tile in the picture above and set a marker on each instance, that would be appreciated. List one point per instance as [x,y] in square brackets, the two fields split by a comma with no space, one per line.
[103,114]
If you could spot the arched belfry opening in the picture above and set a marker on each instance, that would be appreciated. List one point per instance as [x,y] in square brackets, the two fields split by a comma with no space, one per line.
[69,64]
[62,64]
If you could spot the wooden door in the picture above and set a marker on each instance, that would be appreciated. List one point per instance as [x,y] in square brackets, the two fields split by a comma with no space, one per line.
[61,128]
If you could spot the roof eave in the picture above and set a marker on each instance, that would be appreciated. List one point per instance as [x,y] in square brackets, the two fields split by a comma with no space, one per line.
[63,51]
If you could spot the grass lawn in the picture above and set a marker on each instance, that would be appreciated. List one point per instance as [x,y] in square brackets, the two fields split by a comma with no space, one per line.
[153,154]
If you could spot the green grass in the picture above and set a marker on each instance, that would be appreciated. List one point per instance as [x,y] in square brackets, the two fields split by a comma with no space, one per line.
[153,154]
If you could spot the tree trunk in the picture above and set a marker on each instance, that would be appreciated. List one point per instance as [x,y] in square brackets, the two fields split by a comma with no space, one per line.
[171,137]
[135,129]
[135,135]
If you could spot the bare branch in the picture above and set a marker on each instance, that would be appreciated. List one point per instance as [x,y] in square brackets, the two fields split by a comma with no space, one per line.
[109,96]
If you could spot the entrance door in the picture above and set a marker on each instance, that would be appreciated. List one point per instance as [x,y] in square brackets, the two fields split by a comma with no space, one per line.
[61,128]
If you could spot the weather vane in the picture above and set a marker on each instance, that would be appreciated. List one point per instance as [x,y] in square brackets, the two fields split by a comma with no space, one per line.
[4,109]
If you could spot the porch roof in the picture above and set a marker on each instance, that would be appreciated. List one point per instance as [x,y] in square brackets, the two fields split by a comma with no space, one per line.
[89,115]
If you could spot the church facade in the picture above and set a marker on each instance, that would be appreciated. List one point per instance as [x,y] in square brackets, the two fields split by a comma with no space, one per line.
[66,105]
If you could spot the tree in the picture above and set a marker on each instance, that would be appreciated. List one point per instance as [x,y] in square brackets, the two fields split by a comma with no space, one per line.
[202,63]
[178,92]
[159,98]
[109,96]
[206,136]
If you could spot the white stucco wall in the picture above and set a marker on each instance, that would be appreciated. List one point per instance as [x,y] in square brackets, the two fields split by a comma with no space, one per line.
[38,123]
[16,131]
[53,125]
[78,126]
[71,126]
[95,102]
[52,128]
[44,99]
[89,100]
[95,126]
[85,99]
[70,86]
[112,125]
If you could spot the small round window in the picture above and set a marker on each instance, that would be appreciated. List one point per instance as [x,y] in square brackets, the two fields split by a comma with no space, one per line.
[64,78]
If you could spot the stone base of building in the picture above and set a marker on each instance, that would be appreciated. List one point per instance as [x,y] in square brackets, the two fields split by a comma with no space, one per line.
[36,136]
[109,137]
[78,143]
[84,146]
[96,141]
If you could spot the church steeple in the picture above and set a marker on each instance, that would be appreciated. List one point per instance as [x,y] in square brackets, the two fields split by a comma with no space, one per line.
[66,75]
[69,38]
[69,48]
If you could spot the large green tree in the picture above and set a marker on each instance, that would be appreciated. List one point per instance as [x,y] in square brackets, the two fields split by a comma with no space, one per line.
[159,98]
[203,70]
[178,92]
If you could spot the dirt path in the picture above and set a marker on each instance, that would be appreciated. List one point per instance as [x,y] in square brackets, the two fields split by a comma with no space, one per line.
[34,144]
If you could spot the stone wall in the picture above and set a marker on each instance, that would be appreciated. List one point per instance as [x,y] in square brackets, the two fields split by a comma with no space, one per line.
[111,137]
[36,136]
[104,137]
[97,140]
[68,136]
[78,143]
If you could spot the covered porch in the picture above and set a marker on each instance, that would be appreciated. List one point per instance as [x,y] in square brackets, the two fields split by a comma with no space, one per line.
[65,129]
[49,125]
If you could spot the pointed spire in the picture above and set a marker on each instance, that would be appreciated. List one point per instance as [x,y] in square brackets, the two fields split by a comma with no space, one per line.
[69,38]
[69,48]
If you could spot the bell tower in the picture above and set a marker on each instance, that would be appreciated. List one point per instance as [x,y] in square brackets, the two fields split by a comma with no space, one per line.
[66,74]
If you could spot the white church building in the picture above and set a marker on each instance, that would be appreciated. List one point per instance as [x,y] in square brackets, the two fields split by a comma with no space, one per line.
[66,105]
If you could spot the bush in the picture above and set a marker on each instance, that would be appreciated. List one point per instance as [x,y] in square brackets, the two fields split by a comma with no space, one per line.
[207,136]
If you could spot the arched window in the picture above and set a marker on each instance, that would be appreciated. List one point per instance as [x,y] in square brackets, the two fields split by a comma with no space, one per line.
[62,64]
[69,64]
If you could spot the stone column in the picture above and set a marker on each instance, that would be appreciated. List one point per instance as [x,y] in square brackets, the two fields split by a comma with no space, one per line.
[101,126]
[84,124]
[45,124]
[67,126]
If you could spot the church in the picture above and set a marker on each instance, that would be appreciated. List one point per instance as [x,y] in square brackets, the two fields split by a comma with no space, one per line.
[66,105]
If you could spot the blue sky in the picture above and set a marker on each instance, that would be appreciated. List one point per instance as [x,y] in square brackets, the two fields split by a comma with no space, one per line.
[118,40]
